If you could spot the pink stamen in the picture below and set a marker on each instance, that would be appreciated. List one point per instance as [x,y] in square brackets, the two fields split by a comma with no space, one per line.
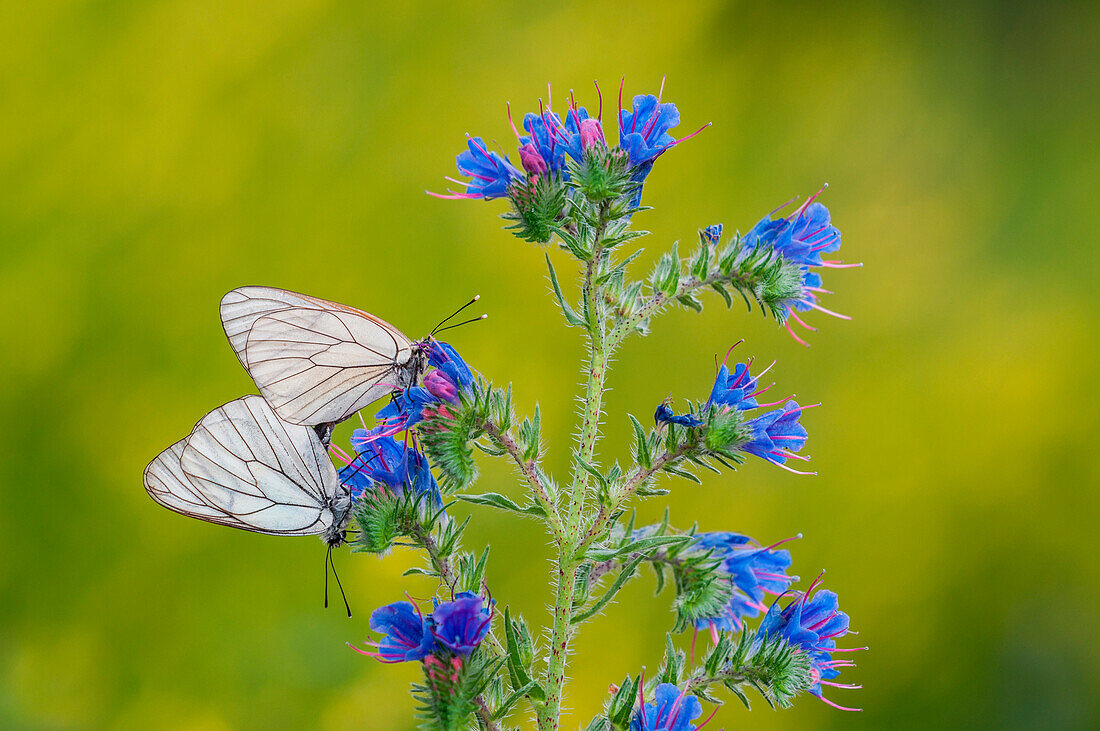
[599,94]
[819,290]
[840,265]
[772,547]
[810,200]
[479,148]
[452,196]
[641,695]
[709,718]
[714,633]
[694,637]
[849,686]
[800,408]
[652,121]
[780,208]
[510,122]
[818,307]
[818,580]
[677,706]
[797,339]
[685,139]
[724,360]
[791,469]
[836,706]
[801,322]
[765,371]
[621,82]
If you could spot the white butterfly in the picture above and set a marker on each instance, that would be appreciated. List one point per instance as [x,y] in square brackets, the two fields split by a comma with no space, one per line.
[317,362]
[244,467]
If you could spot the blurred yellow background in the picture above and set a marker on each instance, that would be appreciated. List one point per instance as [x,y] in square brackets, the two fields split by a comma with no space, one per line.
[154,155]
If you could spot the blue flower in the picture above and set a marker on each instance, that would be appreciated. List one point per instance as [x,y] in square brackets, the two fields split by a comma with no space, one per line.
[410,406]
[405,409]
[407,633]
[490,173]
[643,132]
[753,572]
[777,434]
[734,390]
[665,415]
[802,238]
[444,357]
[462,624]
[544,135]
[712,234]
[384,460]
[671,710]
[812,623]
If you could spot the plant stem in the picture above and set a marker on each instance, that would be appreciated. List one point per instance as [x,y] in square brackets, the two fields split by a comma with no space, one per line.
[441,563]
[534,478]
[567,560]
[636,479]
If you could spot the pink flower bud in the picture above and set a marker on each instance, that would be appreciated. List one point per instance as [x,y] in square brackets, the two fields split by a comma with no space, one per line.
[532,161]
[440,386]
[591,134]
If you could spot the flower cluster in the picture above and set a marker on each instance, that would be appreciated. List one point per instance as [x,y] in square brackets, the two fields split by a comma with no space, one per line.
[547,142]
[812,623]
[383,462]
[453,628]
[752,571]
[774,436]
[448,376]
[802,238]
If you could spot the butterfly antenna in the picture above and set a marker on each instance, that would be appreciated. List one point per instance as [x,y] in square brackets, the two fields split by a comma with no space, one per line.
[460,324]
[342,594]
[453,314]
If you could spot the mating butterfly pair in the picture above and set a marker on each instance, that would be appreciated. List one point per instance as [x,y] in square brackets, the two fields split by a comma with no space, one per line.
[261,463]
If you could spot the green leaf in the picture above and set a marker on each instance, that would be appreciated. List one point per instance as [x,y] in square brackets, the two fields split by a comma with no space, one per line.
[642,545]
[620,581]
[591,469]
[496,500]
[570,315]
[645,459]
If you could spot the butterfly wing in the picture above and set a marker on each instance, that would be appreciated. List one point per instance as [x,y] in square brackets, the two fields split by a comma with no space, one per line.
[321,365]
[167,484]
[243,467]
[243,306]
[315,361]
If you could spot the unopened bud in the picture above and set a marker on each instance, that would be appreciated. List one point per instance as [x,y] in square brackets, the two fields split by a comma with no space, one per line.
[591,134]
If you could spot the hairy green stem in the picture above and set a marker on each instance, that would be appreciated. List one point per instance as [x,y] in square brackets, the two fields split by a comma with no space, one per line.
[659,300]
[530,471]
[637,478]
[568,561]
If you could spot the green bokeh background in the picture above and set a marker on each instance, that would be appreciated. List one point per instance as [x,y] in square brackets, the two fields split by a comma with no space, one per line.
[155,155]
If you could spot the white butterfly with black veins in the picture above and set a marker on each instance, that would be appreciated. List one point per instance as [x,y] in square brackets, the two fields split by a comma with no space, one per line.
[315,361]
[244,467]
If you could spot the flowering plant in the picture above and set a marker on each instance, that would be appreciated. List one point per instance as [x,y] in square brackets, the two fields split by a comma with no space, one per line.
[483,667]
